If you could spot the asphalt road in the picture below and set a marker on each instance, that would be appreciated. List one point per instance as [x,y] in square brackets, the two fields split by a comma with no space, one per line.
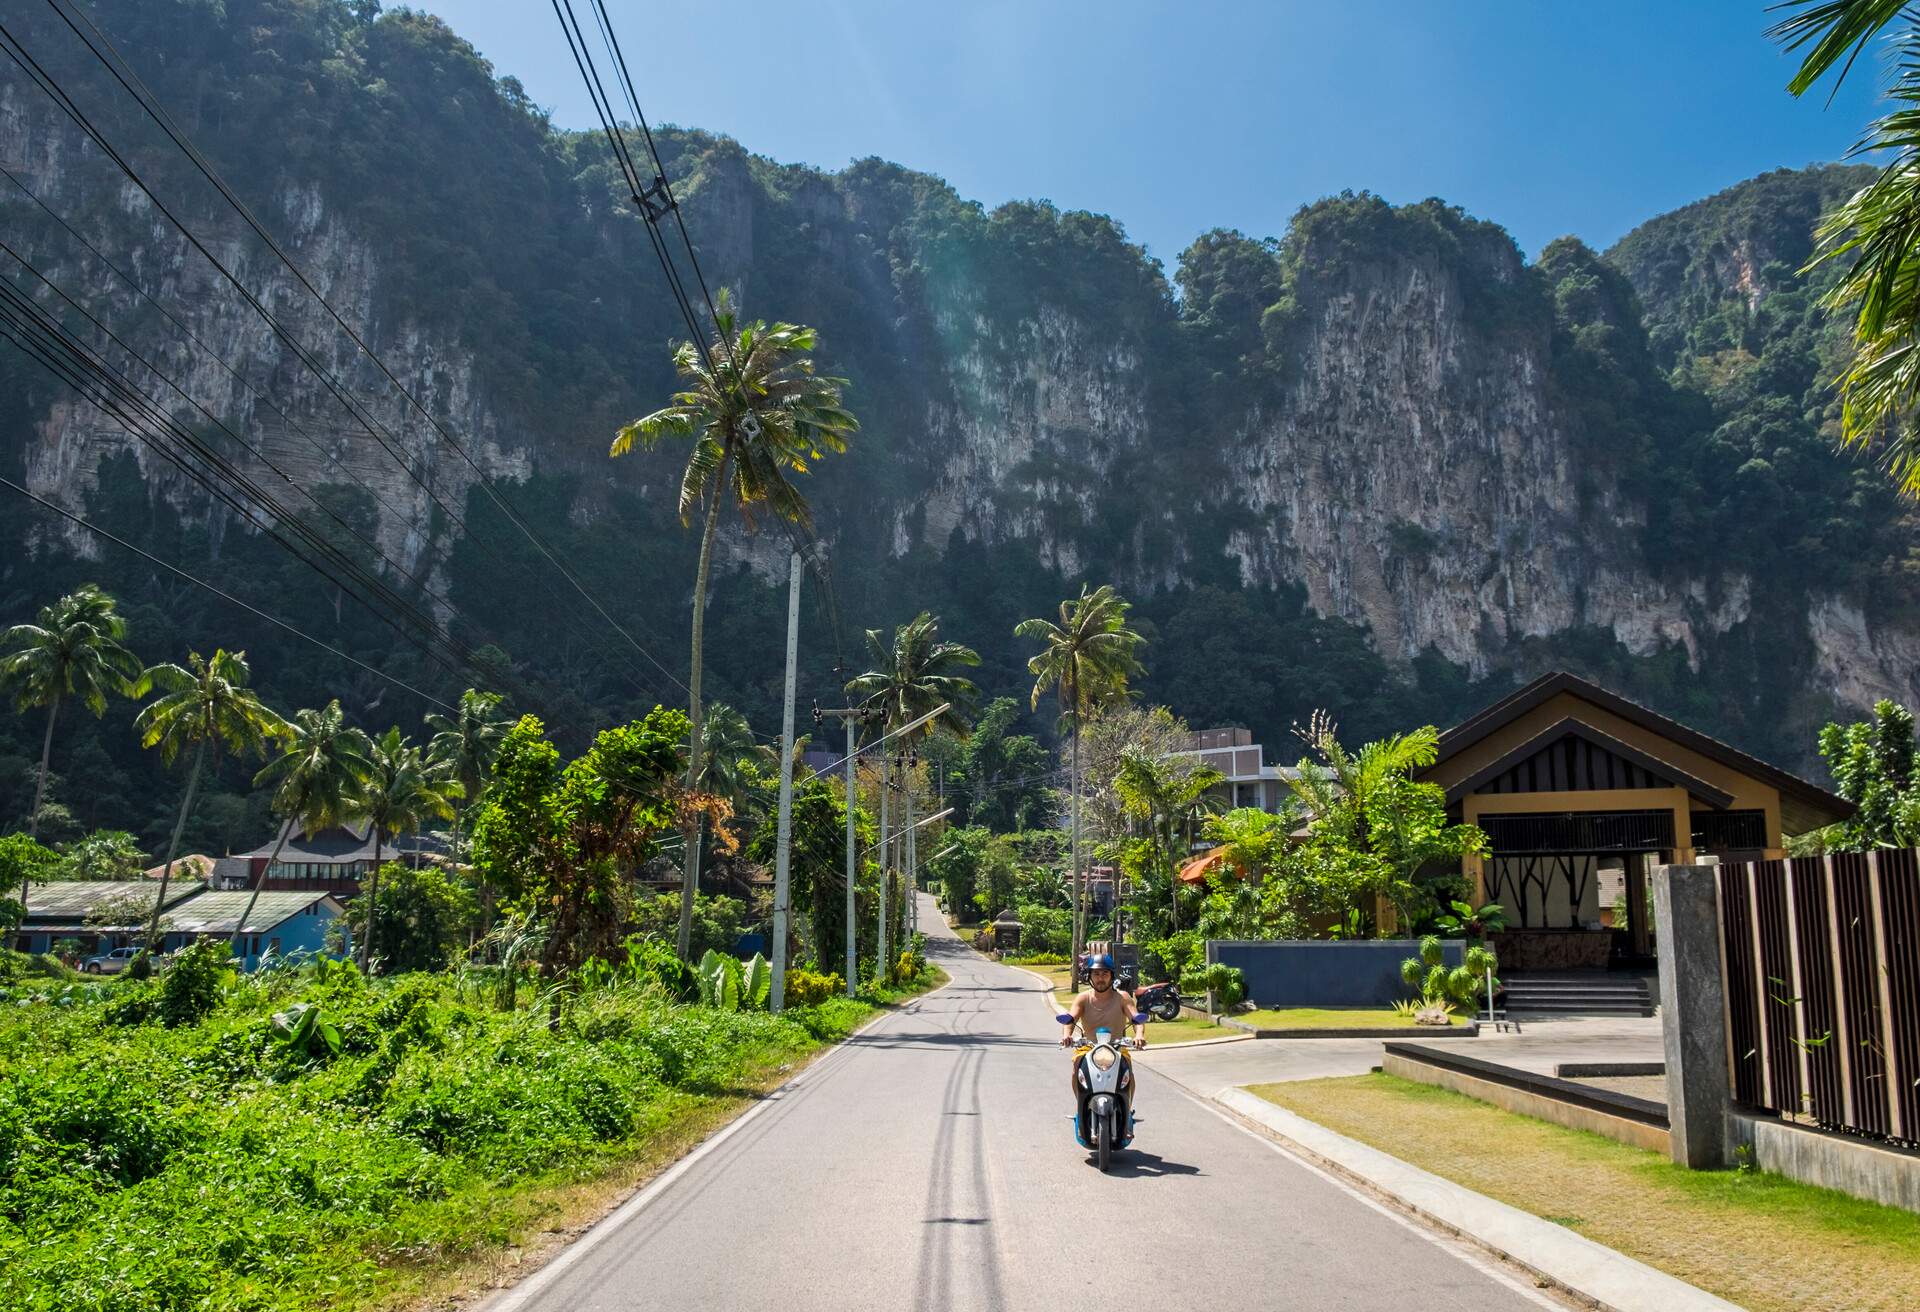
[929,1164]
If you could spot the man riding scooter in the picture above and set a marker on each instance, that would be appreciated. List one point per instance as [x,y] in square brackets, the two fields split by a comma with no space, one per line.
[1101,1006]
[1102,1073]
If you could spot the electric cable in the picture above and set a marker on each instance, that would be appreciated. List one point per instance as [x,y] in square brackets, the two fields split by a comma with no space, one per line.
[97,531]
[130,81]
[18,53]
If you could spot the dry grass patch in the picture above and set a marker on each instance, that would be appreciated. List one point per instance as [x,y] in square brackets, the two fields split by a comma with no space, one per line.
[1330,1018]
[1762,1241]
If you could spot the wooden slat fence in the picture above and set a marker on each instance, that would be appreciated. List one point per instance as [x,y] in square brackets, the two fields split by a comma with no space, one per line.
[1822,961]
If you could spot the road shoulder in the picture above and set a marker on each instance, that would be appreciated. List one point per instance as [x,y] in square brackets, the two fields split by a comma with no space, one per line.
[1567,1261]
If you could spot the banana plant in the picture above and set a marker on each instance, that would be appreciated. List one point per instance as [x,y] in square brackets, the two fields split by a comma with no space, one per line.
[719,981]
[304,1031]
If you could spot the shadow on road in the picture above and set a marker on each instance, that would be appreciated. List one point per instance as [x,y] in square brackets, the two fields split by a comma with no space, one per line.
[1129,1164]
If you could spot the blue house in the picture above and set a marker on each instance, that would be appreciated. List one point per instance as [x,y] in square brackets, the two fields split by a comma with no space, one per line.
[284,923]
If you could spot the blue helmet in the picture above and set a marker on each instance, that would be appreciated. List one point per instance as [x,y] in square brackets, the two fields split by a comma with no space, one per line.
[1099,961]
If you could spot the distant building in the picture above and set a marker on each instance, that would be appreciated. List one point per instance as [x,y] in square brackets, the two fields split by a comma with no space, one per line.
[284,923]
[1250,781]
[332,861]
[98,914]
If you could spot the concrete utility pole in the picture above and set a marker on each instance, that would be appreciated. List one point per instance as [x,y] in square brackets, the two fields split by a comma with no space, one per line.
[783,838]
[850,716]
[886,865]
[910,887]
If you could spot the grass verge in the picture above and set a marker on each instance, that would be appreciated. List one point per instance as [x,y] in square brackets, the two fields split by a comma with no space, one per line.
[427,1155]
[1329,1018]
[1764,1242]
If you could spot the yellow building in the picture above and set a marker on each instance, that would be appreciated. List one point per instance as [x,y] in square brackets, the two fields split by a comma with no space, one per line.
[1577,787]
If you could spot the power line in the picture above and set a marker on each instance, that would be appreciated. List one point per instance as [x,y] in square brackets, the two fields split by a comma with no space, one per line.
[40,335]
[20,56]
[95,529]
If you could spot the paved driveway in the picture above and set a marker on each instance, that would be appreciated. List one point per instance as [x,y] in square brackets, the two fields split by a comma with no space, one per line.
[1539,1046]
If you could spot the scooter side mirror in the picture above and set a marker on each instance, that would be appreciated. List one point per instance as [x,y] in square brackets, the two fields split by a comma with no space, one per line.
[1064,1018]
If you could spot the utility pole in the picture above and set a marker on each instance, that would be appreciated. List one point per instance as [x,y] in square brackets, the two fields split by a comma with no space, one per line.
[850,716]
[783,838]
[910,886]
[886,859]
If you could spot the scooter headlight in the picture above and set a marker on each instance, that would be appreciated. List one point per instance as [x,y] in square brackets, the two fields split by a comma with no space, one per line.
[1103,1057]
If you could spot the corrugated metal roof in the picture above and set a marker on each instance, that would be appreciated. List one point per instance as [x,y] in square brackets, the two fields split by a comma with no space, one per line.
[75,899]
[219,913]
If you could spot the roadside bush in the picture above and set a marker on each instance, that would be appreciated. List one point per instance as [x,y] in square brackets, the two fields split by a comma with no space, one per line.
[1439,984]
[1045,929]
[806,988]
[190,988]
[1228,984]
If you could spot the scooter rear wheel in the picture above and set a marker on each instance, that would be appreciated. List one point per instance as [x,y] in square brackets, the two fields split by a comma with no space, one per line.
[1170,1009]
[1103,1141]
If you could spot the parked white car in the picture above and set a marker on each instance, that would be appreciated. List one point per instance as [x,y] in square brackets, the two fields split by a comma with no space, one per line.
[110,963]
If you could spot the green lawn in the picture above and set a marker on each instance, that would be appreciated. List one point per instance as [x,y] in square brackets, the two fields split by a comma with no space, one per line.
[1759,1240]
[1328,1018]
[1184,1030]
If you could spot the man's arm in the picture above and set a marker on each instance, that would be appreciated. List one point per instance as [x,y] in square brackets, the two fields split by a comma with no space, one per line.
[1073,1010]
[1139,1030]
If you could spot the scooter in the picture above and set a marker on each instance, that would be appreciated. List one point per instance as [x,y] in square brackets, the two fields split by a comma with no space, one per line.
[1162,1000]
[1103,1088]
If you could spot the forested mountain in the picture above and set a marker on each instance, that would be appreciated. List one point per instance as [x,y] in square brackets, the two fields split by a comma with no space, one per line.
[1379,463]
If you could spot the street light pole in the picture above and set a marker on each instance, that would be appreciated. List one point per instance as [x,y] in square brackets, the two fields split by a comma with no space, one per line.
[886,857]
[783,838]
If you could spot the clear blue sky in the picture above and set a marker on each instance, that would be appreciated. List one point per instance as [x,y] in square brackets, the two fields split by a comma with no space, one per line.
[1547,116]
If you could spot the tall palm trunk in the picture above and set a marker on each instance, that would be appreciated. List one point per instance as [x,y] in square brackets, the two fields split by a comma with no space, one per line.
[373,904]
[40,786]
[173,844]
[690,871]
[286,831]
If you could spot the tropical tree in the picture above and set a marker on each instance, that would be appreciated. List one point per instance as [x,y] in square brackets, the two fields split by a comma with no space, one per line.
[1875,767]
[757,414]
[728,750]
[1373,827]
[316,781]
[1088,657]
[999,778]
[401,793]
[463,747]
[1878,229]
[913,675]
[73,652]
[205,705]
[1160,794]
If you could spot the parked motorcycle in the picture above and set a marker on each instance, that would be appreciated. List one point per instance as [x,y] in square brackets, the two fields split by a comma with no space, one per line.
[1103,1087]
[1162,1000]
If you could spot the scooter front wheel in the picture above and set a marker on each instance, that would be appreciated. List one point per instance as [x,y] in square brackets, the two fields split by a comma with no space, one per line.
[1103,1140]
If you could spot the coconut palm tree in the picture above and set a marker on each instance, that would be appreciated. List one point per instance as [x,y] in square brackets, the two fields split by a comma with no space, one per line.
[401,793]
[463,746]
[757,414]
[913,674]
[727,745]
[1087,659]
[1878,229]
[205,705]
[316,781]
[74,651]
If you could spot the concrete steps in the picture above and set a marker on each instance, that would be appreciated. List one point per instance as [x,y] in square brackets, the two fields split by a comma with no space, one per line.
[1578,994]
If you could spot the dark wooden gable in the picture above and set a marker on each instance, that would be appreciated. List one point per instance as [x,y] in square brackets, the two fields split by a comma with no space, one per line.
[1574,757]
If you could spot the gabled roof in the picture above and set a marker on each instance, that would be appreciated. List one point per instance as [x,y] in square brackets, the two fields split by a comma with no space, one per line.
[219,913]
[342,845]
[1509,708]
[1569,727]
[71,901]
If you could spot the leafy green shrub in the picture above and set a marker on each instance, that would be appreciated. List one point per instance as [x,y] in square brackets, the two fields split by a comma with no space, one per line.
[1439,984]
[1228,984]
[1045,929]
[1176,954]
[190,988]
[805,988]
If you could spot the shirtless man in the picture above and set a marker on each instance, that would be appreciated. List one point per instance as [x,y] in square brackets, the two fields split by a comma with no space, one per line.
[1101,1007]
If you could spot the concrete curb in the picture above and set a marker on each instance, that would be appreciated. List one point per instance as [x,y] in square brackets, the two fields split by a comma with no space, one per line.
[1591,1272]
[1152,1046]
[1466,1031]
